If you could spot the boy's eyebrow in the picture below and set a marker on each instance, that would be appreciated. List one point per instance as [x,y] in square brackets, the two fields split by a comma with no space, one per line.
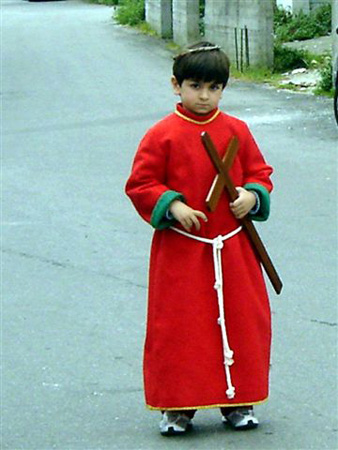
[195,80]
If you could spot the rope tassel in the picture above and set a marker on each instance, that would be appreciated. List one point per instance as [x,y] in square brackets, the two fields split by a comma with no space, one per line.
[217,245]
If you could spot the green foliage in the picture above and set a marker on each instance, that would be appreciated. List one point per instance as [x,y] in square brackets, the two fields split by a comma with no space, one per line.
[201,24]
[130,12]
[289,27]
[281,17]
[325,83]
[202,7]
[323,17]
[288,59]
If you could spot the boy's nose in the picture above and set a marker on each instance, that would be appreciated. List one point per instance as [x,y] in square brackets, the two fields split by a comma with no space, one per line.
[204,94]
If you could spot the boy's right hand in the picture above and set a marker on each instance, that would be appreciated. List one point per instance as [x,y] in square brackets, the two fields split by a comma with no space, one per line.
[186,216]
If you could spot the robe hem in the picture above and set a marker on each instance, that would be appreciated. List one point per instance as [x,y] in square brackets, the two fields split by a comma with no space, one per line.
[218,405]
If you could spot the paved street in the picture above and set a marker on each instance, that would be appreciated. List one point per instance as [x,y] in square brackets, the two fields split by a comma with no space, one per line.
[78,93]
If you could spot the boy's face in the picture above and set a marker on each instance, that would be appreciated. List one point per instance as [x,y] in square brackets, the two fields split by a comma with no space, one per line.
[199,97]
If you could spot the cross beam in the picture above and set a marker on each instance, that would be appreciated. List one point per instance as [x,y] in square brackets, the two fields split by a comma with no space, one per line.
[218,183]
[245,222]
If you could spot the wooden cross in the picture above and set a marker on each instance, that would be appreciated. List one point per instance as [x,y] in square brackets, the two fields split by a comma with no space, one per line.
[219,184]
[225,181]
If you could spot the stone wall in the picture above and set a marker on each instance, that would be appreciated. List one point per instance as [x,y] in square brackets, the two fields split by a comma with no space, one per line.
[243,29]
[186,21]
[159,16]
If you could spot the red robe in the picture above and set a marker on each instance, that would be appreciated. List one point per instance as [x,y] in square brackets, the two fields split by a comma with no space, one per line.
[183,357]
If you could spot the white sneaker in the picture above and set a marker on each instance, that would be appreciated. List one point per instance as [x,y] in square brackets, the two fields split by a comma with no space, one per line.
[241,419]
[174,423]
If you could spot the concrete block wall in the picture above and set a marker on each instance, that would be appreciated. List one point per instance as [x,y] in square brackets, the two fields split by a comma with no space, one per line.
[159,16]
[185,21]
[223,18]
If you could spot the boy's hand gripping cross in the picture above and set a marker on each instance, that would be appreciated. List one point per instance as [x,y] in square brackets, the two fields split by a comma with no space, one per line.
[224,181]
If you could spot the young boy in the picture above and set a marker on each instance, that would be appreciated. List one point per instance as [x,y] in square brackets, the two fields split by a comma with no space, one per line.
[204,348]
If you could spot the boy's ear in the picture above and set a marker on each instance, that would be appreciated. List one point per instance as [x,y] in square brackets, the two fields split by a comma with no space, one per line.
[175,85]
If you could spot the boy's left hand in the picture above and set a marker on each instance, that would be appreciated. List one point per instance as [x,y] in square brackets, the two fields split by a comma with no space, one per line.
[243,204]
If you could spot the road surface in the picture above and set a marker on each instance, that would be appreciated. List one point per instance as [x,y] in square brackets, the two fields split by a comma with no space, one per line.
[78,93]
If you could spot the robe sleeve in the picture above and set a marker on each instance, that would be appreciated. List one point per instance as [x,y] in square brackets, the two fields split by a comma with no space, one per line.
[256,176]
[146,186]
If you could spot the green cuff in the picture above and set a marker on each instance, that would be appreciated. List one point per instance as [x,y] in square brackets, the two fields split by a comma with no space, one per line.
[158,218]
[264,197]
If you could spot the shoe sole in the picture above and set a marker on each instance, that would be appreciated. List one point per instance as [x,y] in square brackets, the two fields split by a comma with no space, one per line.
[249,426]
[172,432]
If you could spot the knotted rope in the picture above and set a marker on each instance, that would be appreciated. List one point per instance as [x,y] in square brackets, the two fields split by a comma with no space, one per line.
[217,246]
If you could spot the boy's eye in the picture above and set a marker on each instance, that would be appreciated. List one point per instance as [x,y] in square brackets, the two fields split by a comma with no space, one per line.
[194,85]
[215,87]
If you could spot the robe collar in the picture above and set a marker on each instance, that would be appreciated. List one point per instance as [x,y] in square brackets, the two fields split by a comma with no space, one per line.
[195,118]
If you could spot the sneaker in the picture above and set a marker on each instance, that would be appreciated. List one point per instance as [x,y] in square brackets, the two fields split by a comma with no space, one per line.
[241,419]
[174,423]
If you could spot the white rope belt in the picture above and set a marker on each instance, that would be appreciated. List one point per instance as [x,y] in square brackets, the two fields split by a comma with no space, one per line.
[217,245]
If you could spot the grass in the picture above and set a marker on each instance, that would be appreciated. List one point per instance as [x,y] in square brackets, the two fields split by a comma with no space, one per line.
[174,48]
[145,28]
[254,74]
[318,91]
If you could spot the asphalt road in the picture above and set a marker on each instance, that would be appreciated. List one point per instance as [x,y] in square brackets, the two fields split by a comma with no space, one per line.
[78,93]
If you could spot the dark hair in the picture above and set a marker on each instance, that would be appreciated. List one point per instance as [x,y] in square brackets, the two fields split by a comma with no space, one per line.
[202,62]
